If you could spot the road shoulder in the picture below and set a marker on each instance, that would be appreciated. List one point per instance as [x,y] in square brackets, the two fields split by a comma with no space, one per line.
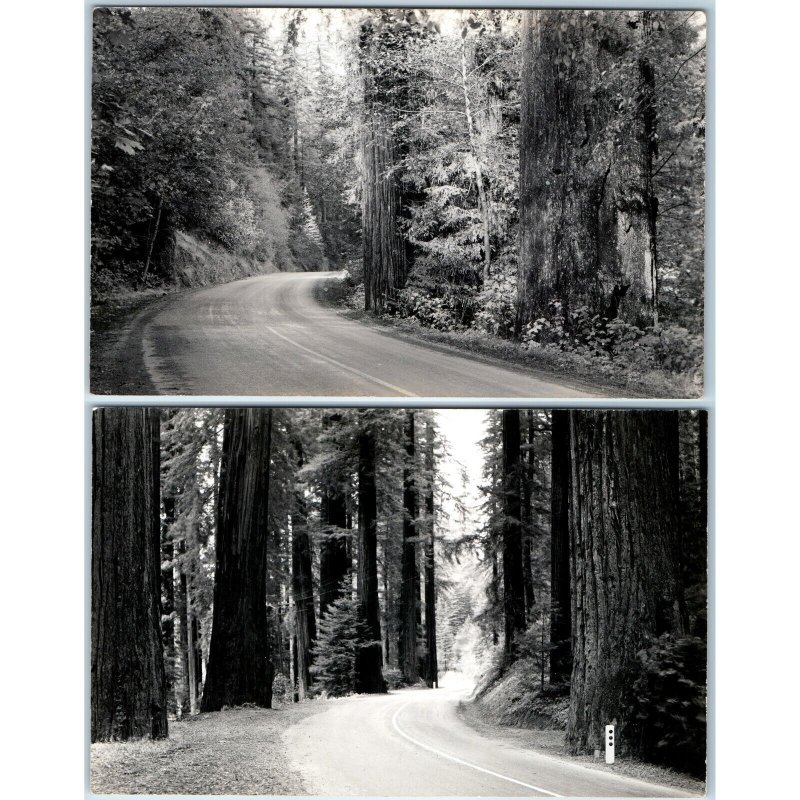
[550,743]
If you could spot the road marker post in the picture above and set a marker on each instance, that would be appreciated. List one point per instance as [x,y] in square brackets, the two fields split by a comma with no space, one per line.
[609,744]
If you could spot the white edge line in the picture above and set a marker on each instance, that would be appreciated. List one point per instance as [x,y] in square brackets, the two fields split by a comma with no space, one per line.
[461,761]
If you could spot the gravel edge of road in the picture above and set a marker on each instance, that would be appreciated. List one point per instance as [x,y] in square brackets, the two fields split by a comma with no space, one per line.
[493,352]
[238,751]
[551,743]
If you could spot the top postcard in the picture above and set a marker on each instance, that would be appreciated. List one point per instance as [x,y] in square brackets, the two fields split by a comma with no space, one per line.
[374,203]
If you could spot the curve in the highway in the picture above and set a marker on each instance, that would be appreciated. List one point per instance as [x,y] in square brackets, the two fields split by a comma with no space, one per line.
[413,743]
[268,336]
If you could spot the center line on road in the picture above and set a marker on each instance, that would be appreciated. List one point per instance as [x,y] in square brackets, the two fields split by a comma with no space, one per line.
[341,365]
[461,760]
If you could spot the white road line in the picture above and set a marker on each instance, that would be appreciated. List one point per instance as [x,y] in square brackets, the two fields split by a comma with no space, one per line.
[461,761]
[341,365]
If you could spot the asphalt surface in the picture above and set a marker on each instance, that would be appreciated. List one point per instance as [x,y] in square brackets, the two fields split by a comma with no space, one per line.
[412,743]
[268,336]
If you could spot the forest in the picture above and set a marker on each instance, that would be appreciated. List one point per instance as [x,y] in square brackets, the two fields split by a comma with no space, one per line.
[264,557]
[533,179]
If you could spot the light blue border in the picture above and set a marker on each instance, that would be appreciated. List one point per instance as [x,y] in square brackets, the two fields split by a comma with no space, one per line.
[707,402]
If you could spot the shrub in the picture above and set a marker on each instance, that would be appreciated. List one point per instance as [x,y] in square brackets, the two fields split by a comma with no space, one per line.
[669,703]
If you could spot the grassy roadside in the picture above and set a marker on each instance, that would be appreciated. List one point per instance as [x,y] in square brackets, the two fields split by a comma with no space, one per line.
[561,366]
[230,752]
[550,741]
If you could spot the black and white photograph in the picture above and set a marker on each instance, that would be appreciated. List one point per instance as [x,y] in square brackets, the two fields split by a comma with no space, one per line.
[376,202]
[398,602]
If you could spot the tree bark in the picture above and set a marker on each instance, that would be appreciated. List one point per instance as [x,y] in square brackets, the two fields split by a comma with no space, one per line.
[302,590]
[587,208]
[431,656]
[624,561]
[369,660]
[560,614]
[528,532]
[513,580]
[384,249]
[409,590]
[239,666]
[128,685]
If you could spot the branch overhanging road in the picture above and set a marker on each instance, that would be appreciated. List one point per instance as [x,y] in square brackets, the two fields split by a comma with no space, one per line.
[412,743]
[268,336]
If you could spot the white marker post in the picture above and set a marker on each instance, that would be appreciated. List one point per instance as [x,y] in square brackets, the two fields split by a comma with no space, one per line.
[609,744]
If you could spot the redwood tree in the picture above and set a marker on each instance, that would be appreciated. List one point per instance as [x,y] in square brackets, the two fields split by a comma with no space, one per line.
[409,590]
[128,685]
[431,656]
[587,208]
[302,588]
[560,615]
[513,579]
[369,658]
[239,668]
[624,560]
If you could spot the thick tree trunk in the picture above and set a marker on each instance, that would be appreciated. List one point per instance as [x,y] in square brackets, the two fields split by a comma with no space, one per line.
[302,591]
[409,590]
[624,523]
[239,667]
[560,614]
[513,581]
[431,656]
[587,209]
[369,676]
[385,252]
[128,686]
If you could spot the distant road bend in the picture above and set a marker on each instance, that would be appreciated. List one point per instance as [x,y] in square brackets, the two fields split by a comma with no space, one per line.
[413,743]
[268,336]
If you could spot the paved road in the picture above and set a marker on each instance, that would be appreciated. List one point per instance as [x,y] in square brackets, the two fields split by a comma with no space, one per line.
[268,336]
[412,743]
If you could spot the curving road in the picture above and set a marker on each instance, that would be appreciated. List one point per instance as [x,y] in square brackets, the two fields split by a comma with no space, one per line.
[268,336]
[413,743]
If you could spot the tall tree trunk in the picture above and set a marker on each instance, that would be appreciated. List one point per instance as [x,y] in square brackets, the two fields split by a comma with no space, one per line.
[182,683]
[624,561]
[431,656]
[528,532]
[384,249]
[369,677]
[384,252]
[168,610]
[128,686]
[560,614]
[334,557]
[513,581]
[239,667]
[409,590]
[302,590]
[586,202]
